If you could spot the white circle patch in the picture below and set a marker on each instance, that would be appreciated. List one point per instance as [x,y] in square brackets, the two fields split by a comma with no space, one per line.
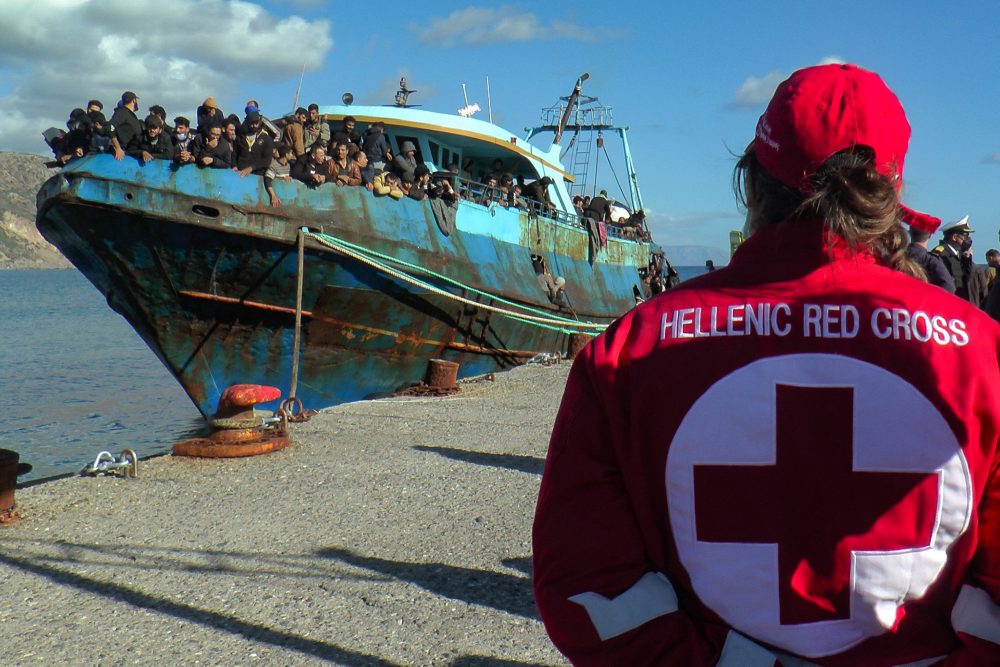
[882,429]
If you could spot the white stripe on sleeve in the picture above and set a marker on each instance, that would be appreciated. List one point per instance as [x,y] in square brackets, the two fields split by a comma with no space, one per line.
[976,614]
[650,597]
[738,651]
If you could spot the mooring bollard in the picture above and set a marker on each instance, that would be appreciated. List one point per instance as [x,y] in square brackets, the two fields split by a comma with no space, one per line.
[441,373]
[10,469]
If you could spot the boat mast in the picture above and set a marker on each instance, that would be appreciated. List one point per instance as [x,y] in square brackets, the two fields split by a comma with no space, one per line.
[584,117]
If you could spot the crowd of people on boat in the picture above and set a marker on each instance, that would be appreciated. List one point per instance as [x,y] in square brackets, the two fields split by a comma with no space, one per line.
[304,147]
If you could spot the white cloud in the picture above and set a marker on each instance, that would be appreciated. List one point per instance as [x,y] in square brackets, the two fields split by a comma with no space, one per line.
[476,26]
[756,92]
[60,53]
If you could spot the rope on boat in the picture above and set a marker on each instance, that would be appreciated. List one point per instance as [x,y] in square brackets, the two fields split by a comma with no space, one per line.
[395,260]
[564,325]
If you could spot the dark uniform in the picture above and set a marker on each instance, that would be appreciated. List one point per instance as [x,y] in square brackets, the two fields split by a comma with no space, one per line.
[952,252]
[937,273]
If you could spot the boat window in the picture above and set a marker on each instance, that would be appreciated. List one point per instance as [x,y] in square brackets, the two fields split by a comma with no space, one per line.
[435,152]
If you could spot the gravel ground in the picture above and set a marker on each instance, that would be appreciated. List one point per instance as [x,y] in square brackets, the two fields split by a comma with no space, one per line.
[393,532]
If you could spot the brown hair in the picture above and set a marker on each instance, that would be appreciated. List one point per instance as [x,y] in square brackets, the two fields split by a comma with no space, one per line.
[855,202]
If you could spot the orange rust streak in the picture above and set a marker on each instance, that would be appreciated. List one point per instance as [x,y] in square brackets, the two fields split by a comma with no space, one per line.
[413,338]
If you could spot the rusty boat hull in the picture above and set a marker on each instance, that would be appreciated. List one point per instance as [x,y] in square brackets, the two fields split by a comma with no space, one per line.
[206,273]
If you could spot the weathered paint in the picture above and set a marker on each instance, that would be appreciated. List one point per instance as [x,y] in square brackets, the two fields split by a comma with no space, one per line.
[205,272]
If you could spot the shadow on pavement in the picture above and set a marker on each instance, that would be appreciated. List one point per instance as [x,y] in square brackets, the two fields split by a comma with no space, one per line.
[529,464]
[501,591]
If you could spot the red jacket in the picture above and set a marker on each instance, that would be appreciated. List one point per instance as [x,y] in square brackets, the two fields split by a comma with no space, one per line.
[790,459]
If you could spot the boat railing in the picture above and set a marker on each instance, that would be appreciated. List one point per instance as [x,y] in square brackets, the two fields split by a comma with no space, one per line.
[476,192]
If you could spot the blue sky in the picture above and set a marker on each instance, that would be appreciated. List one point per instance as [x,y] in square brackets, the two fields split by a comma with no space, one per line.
[690,79]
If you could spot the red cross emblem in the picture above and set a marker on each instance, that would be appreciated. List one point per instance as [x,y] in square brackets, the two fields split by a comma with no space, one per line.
[801,509]
[813,505]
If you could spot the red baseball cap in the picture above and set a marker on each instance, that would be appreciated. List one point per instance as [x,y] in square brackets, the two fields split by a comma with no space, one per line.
[822,110]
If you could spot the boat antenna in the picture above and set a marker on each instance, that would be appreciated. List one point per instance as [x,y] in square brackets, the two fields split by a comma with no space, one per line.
[569,107]
[489,102]
[468,109]
[295,102]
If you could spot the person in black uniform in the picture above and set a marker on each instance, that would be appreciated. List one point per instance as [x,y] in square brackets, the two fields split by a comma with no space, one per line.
[932,264]
[954,253]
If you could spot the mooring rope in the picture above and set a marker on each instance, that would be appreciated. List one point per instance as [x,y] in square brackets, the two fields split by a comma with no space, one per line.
[358,253]
[293,385]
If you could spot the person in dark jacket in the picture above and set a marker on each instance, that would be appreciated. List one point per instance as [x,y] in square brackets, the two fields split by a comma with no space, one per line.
[254,147]
[76,142]
[539,191]
[346,134]
[212,150]
[933,266]
[100,137]
[376,146]
[405,164]
[153,144]
[954,253]
[365,168]
[125,125]
[183,141]
[599,208]
[209,115]
[311,168]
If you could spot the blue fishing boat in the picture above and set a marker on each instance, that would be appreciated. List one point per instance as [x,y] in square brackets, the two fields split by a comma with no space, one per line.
[338,294]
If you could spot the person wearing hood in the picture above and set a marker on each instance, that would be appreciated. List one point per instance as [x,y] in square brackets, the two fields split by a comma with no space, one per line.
[405,164]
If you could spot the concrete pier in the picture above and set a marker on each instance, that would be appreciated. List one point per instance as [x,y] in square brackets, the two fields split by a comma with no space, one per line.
[393,532]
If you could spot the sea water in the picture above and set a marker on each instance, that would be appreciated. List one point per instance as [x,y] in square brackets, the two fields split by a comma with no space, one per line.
[76,380]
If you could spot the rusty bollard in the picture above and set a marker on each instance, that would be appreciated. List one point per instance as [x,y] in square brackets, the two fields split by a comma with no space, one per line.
[10,469]
[239,430]
[441,373]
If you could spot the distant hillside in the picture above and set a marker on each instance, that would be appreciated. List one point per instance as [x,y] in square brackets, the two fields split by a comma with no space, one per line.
[21,246]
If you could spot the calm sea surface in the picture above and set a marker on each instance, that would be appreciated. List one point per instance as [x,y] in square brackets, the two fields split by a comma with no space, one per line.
[75,379]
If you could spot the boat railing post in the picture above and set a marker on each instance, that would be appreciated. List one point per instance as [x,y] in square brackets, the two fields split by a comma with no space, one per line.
[293,385]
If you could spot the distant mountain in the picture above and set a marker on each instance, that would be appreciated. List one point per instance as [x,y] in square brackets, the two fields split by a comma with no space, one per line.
[21,246]
[695,255]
